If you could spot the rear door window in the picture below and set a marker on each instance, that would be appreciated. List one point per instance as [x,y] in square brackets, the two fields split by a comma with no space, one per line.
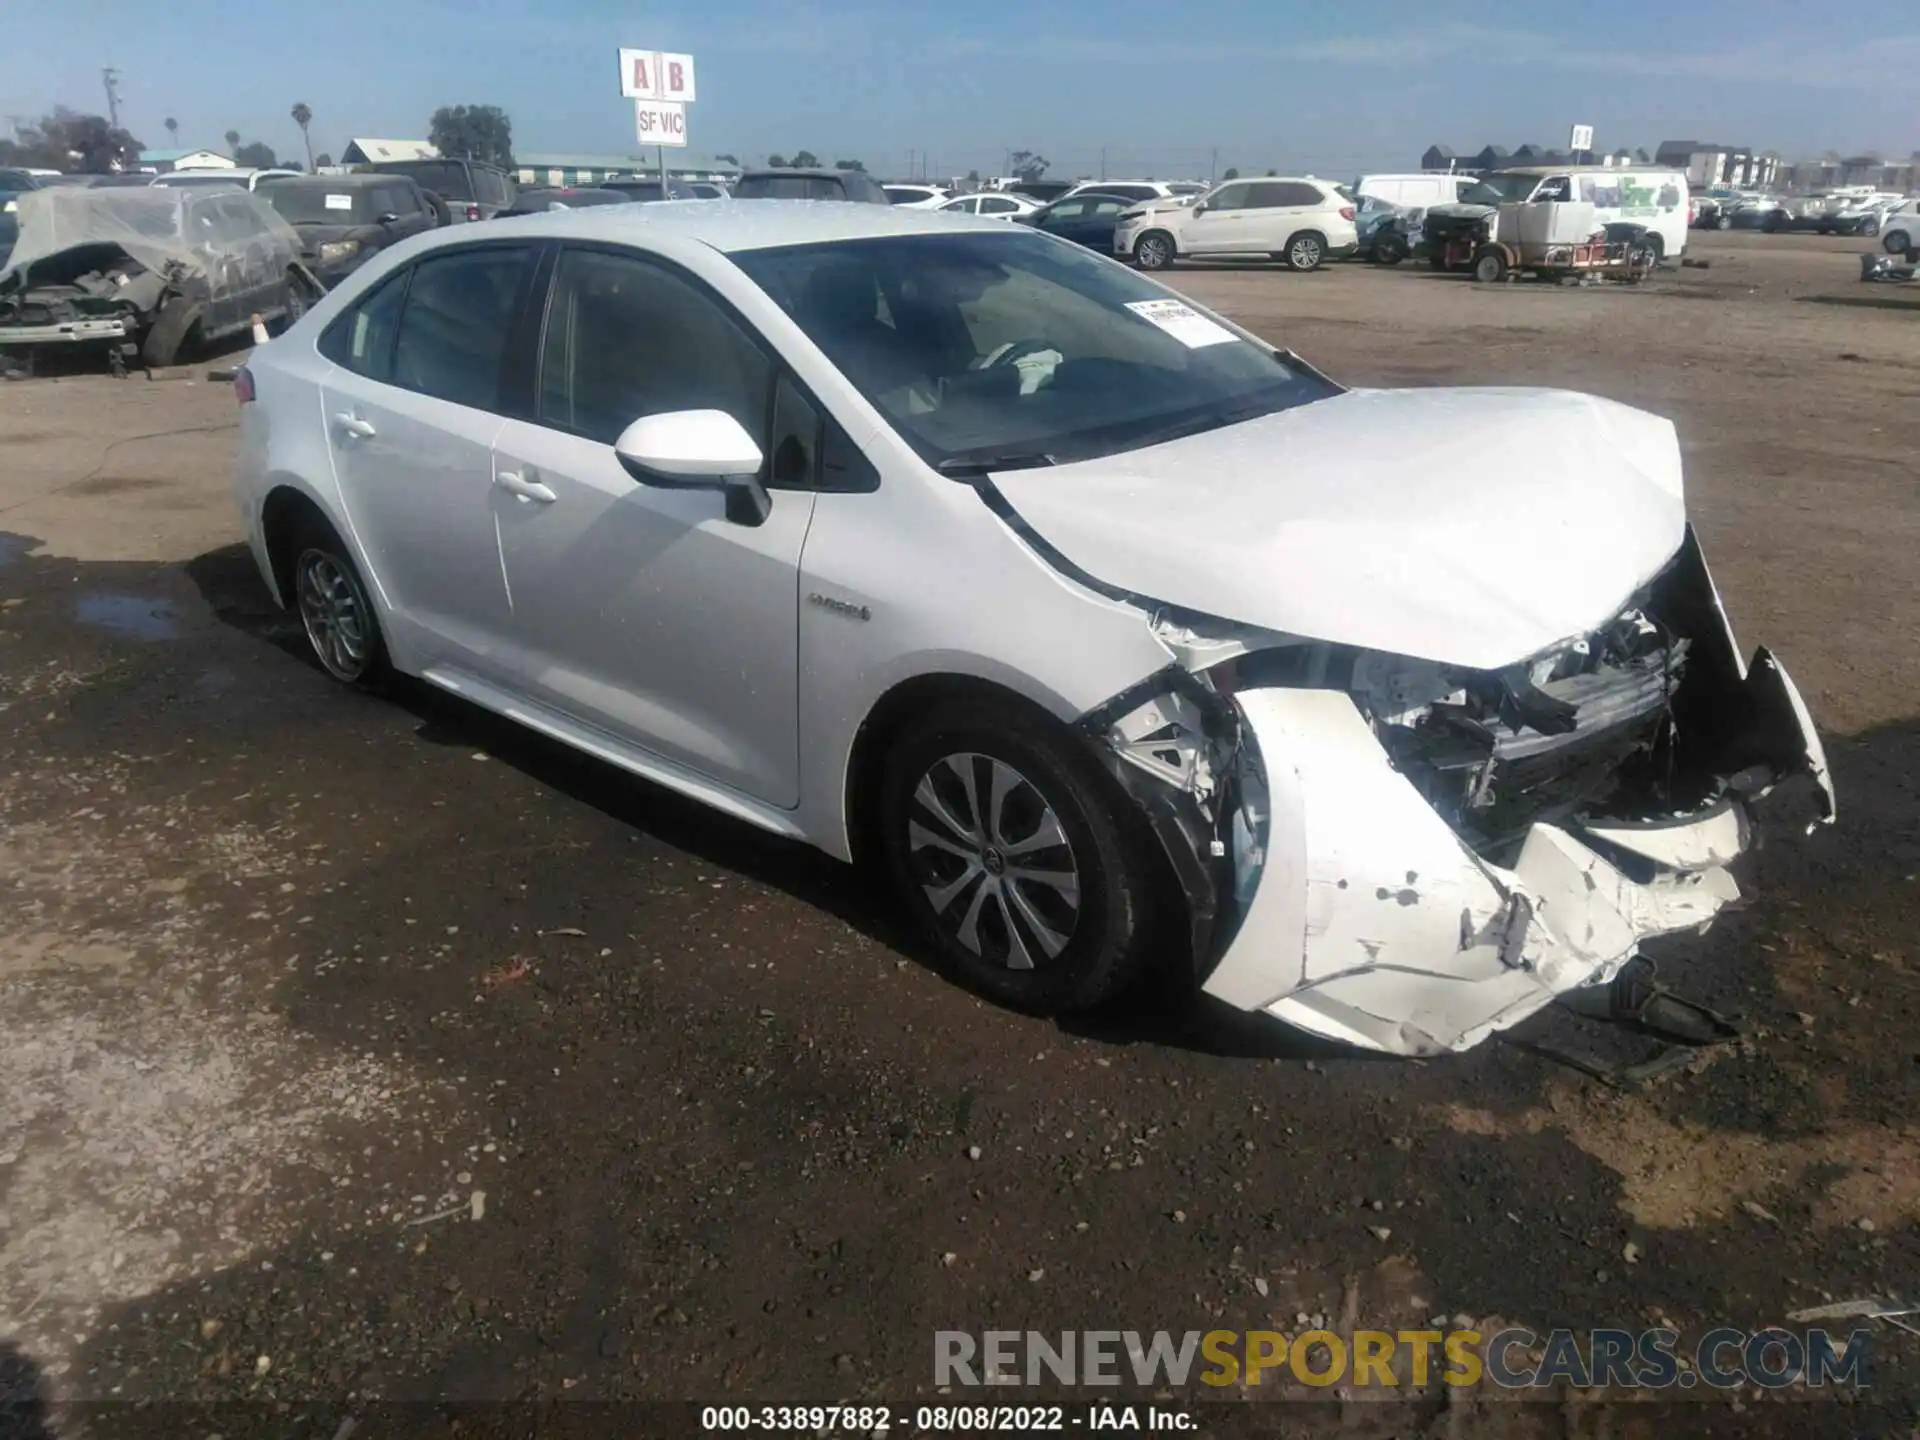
[362,339]
[453,332]
[446,178]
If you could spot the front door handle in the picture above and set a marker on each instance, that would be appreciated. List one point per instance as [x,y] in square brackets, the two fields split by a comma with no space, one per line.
[524,488]
[354,427]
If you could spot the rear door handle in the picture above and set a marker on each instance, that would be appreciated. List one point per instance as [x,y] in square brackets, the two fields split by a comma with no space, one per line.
[354,426]
[526,489]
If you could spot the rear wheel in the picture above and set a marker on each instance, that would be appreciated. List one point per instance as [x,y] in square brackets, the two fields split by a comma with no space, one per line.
[1894,242]
[335,610]
[1723,221]
[1652,241]
[1305,252]
[1153,251]
[1017,856]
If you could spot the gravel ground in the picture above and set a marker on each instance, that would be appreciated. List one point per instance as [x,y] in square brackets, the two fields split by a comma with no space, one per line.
[357,1053]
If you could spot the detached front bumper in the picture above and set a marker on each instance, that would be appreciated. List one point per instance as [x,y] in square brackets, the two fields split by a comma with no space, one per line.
[1365,918]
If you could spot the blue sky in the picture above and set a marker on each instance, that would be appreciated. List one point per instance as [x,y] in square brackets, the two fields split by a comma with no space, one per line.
[1327,89]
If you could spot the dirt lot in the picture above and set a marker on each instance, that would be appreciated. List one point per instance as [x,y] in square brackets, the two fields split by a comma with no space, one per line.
[356,1052]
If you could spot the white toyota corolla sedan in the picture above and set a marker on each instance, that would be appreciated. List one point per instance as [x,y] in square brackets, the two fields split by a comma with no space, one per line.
[1119,638]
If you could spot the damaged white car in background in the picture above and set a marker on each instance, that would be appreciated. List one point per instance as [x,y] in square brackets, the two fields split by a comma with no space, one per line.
[1121,638]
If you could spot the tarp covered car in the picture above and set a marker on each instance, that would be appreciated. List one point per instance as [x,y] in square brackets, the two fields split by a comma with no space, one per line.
[152,267]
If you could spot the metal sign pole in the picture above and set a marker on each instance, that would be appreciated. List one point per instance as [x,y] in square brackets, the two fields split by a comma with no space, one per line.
[662,151]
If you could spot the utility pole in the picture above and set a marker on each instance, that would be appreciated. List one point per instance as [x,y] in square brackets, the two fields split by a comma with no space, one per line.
[1213,166]
[110,77]
[910,170]
[1103,162]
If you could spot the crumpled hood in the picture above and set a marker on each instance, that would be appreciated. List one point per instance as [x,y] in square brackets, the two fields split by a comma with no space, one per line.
[1475,527]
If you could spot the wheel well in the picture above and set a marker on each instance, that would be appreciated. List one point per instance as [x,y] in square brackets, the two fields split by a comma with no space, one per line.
[911,699]
[1302,234]
[285,516]
[1166,235]
[891,715]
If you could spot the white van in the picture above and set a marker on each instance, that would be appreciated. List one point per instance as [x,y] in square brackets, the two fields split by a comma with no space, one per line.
[1637,194]
[1415,192]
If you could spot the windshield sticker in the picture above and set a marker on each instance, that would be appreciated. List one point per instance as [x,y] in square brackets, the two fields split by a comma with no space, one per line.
[339,202]
[1185,324]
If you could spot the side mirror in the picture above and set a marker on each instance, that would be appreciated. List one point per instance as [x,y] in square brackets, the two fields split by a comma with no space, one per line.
[1199,207]
[387,219]
[697,450]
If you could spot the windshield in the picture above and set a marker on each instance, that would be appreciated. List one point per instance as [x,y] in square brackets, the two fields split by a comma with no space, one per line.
[317,204]
[1500,190]
[1019,349]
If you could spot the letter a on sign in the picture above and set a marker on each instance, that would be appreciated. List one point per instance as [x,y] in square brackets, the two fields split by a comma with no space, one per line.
[640,74]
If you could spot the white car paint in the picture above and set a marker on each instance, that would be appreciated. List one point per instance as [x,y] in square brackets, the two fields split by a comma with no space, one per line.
[522,567]
[1247,217]
[1376,550]
[917,197]
[993,204]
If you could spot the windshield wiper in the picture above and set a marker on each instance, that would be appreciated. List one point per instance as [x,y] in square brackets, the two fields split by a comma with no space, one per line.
[967,466]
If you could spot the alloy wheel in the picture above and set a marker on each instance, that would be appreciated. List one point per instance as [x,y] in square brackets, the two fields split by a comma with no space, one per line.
[334,610]
[1304,253]
[993,861]
[1153,253]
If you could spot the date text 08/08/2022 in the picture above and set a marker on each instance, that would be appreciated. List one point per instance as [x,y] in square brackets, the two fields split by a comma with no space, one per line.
[881,1420]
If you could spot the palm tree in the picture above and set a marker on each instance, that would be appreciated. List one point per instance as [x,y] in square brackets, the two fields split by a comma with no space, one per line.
[233,141]
[303,117]
[173,131]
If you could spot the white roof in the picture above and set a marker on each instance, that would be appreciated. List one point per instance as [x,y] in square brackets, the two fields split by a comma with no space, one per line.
[376,150]
[736,225]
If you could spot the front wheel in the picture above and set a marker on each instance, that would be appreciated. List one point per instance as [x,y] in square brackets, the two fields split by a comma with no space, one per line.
[1894,242]
[1490,265]
[1390,248]
[1153,251]
[1018,857]
[1305,252]
[342,629]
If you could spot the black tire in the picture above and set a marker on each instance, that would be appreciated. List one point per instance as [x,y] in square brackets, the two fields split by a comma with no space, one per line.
[1869,226]
[1390,248]
[1490,265]
[167,336]
[1723,221]
[1894,242]
[1654,242]
[1306,251]
[334,607]
[1154,250]
[1080,954]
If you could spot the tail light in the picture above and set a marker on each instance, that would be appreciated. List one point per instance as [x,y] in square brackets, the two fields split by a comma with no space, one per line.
[1346,212]
[473,212]
[243,385]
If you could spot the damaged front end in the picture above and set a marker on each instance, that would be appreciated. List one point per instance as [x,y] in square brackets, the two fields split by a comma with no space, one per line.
[1409,856]
[89,293]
